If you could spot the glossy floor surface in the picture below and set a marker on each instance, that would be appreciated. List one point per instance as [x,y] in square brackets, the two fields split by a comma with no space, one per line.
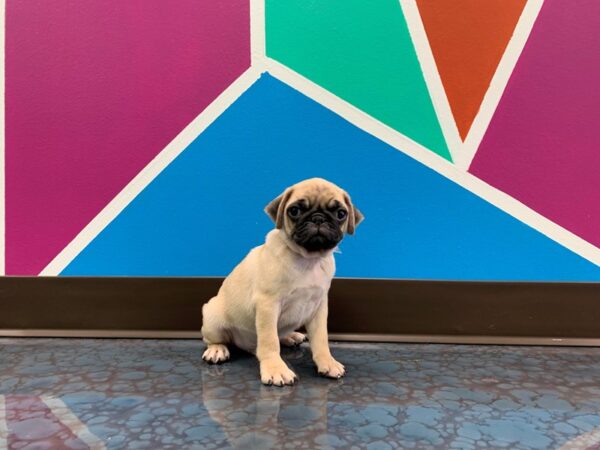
[158,394]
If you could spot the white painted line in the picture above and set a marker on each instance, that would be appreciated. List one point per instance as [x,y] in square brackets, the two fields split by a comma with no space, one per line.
[151,171]
[492,97]
[441,105]
[583,441]
[257,32]
[3,424]
[416,151]
[72,422]
[2,140]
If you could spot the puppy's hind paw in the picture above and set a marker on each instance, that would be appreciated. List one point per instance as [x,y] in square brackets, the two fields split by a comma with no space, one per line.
[215,354]
[293,339]
[330,368]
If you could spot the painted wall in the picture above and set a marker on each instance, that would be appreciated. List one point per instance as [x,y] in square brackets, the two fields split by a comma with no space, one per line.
[146,138]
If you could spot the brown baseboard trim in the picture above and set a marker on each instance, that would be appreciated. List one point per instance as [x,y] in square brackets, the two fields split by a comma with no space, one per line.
[113,334]
[466,340]
[360,309]
[339,337]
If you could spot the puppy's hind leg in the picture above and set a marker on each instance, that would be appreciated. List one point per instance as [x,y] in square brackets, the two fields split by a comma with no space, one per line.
[293,339]
[214,334]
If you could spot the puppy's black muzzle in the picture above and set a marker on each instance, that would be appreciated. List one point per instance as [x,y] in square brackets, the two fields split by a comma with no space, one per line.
[317,232]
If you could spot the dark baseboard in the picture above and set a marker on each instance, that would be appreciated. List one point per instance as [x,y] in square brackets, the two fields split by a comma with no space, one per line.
[452,311]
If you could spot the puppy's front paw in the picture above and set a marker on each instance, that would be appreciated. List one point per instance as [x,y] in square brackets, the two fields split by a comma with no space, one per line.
[276,372]
[293,339]
[216,353]
[329,367]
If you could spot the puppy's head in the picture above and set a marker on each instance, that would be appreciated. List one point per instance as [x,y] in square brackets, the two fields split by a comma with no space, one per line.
[315,214]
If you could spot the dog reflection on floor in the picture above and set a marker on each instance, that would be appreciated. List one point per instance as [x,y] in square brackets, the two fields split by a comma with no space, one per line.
[255,416]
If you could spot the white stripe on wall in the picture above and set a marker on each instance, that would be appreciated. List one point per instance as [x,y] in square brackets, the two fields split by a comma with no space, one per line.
[257,32]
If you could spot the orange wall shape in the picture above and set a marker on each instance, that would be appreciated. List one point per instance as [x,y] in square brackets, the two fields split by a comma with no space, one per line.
[468,38]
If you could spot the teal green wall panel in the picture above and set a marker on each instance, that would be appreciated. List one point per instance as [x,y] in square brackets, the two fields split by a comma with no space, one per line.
[362,52]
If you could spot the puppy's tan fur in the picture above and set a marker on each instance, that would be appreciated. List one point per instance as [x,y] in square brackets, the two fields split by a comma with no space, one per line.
[278,288]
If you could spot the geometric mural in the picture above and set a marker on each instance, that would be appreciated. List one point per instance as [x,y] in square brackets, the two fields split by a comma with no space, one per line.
[96,95]
[201,220]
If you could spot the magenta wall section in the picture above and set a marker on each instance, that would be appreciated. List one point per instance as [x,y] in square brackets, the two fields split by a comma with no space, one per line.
[95,90]
[543,143]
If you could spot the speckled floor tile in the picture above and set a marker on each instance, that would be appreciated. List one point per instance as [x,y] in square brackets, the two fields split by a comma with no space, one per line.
[158,394]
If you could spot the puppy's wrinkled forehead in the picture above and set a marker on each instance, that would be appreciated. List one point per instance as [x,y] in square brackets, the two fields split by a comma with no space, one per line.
[317,193]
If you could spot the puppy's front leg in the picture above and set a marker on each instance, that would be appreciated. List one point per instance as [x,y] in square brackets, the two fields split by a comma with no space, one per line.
[319,344]
[273,370]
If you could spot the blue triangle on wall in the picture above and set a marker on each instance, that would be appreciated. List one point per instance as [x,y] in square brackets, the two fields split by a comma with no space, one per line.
[204,212]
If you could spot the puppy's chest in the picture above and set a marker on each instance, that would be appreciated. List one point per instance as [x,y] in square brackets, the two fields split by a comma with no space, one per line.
[304,296]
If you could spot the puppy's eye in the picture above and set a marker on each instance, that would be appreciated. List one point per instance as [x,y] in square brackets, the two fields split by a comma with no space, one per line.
[294,212]
[341,214]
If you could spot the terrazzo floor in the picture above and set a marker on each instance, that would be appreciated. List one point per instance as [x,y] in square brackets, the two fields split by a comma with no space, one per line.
[159,394]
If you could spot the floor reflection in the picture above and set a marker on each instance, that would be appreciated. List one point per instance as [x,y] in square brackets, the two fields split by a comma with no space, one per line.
[151,394]
[257,416]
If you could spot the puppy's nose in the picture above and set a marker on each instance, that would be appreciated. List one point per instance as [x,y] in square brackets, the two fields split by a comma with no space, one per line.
[318,218]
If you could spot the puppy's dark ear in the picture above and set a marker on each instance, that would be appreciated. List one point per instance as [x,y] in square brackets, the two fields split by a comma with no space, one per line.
[354,215]
[276,209]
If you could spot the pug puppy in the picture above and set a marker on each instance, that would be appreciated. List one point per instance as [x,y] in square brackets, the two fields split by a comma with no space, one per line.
[282,285]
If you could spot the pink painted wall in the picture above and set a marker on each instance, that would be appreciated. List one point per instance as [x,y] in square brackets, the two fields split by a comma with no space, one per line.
[94,90]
